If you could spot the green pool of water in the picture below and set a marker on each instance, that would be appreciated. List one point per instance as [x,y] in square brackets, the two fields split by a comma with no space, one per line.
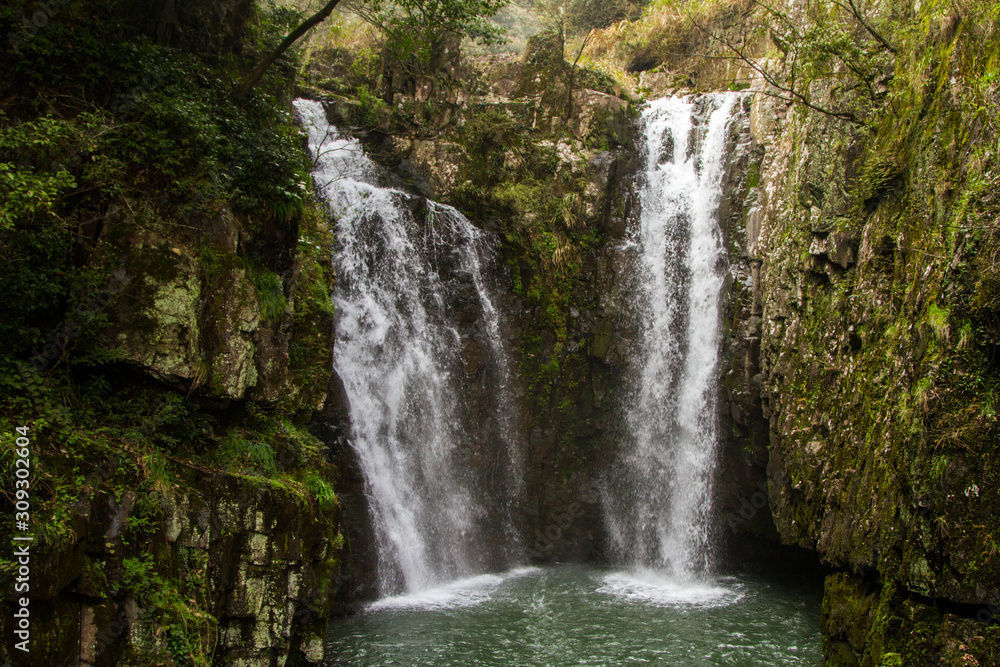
[576,615]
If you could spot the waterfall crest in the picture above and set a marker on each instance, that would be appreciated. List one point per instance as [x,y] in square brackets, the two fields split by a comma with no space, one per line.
[657,507]
[416,326]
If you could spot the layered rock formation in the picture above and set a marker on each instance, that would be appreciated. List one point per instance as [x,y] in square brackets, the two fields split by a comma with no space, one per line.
[181,511]
[863,324]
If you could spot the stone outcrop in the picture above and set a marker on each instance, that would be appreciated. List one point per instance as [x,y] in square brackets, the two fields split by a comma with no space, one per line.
[240,565]
[181,510]
[200,318]
[257,570]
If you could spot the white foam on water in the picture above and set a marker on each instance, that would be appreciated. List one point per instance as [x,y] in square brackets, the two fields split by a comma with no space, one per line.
[519,572]
[458,594]
[647,587]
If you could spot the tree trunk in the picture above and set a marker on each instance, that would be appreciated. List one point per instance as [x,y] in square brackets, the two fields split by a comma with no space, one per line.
[293,37]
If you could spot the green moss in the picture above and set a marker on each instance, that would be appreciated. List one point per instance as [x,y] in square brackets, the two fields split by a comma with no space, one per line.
[912,398]
[753,175]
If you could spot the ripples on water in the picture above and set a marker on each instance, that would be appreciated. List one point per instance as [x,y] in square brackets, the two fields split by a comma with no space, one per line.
[575,615]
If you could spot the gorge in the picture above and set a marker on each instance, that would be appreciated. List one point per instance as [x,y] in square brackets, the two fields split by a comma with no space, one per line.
[657,498]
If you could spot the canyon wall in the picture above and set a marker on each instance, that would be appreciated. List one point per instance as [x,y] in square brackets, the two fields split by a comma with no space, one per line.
[192,509]
[863,328]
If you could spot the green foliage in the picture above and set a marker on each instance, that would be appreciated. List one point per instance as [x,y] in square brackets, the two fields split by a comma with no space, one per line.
[938,319]
[663,32]
[914,396]
[586,15]
[249,454]
[850,48]
[418,28]
[321,491]
[25,193]
[189,633]
[310,352]
[98,118]
[139,576]
[373,109]
[271,293]
[40,164]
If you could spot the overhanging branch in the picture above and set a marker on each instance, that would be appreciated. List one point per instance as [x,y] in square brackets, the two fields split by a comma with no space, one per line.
[292,37]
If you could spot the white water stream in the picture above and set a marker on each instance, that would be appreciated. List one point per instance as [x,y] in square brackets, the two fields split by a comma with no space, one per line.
[658,514]
[412,291]
[402,265]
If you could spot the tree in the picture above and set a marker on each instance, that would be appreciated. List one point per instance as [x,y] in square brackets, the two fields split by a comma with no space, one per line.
[586,15]
[836,41]
[420,29]
[286,43]
[412,28]
[572,20]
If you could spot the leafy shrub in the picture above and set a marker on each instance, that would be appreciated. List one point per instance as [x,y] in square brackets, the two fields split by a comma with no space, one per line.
[322,491]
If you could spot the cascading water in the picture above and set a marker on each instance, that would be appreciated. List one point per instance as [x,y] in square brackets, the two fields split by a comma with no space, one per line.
[414,315]
[658,516]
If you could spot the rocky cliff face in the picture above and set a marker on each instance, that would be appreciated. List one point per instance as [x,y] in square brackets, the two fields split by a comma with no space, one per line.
[864,355]
[197,521]
[169,364]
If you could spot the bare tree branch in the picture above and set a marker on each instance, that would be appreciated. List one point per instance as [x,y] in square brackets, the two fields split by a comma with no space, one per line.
[793,94]
[572,72]
[859,16]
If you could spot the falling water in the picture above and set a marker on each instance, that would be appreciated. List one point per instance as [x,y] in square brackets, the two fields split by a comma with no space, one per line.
[414,315]
[659,518]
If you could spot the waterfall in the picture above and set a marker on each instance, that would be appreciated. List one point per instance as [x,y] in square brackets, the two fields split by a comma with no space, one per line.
[417,341]
[657,513]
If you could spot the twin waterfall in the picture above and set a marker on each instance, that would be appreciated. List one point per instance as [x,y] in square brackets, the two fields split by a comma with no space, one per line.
[420,350]
[661,519]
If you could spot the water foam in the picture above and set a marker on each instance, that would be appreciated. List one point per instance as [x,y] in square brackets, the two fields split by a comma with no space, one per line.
[650,587]
[458,594]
